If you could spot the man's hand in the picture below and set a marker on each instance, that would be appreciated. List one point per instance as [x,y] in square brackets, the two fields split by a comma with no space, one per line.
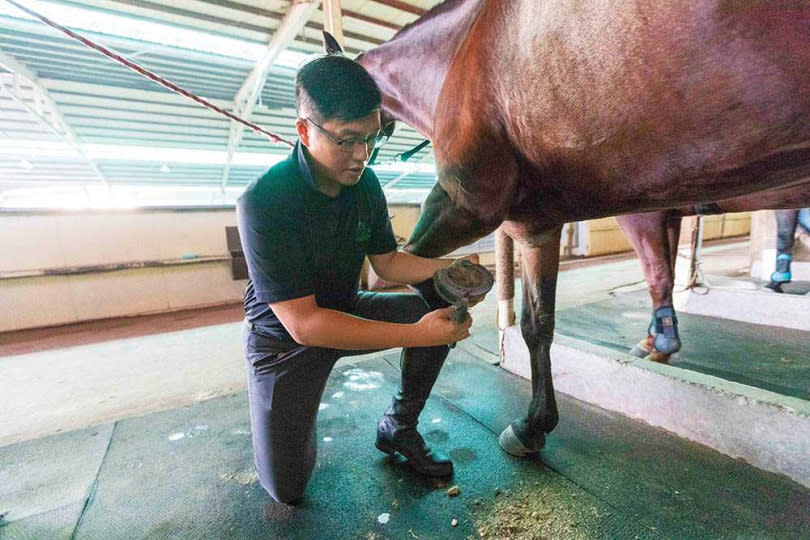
[438,328]
[473,258]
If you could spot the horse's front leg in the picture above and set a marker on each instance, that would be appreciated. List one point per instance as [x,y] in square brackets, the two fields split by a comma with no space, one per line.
[443,227]
[470,200]
[539,264]
[654,236]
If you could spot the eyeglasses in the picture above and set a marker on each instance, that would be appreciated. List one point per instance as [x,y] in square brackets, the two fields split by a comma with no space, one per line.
[349,145]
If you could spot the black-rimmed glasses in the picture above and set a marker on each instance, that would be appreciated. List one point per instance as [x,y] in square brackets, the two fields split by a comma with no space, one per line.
[350,144]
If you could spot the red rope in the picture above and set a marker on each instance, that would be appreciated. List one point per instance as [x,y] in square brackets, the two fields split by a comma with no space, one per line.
[150,75]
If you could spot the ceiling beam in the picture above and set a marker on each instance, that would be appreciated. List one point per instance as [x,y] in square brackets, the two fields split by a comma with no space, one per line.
[297,17]
[239,24]
[402,6]
[333,20]
[371,20]
[262,12]
[43,103]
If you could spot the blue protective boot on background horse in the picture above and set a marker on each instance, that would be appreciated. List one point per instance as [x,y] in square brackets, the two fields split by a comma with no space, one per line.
[782,273]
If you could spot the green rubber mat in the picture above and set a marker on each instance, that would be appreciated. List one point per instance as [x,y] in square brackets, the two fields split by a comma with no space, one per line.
[187,473]
[771,358]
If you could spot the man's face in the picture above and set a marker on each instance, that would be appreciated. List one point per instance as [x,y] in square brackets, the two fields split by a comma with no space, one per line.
[339,163]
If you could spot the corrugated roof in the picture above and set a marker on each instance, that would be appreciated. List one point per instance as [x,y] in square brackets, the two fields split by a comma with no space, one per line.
[104,103]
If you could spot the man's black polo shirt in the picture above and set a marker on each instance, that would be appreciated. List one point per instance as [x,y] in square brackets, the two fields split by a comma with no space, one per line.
[298,241]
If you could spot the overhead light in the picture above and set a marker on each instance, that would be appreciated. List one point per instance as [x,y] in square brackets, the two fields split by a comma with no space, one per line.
[180,155]
[34,147]
[293,59]
[165,168]
[168,156]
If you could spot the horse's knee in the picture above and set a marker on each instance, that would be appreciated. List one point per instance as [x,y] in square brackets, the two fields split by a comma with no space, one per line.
[445,225]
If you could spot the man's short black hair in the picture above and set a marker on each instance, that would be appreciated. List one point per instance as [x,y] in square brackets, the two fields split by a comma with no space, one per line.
[336,87]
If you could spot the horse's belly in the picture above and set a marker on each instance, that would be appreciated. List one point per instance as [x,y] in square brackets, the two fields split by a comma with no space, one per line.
[655,103]
[580,188]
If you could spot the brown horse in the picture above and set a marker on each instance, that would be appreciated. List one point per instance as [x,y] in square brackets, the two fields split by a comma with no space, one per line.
[654,236]
[542,113]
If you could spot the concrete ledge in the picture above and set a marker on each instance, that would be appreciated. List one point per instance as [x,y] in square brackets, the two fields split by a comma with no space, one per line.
[747,304]
[767,430]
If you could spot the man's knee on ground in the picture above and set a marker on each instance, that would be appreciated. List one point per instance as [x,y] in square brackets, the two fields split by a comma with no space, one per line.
[285,482]
[287,494]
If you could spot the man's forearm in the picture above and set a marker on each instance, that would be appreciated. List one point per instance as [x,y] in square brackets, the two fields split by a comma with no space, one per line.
[411,269]
[337,330]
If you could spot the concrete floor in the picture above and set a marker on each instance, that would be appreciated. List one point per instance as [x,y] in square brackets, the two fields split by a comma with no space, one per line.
[147,436]
[187,472]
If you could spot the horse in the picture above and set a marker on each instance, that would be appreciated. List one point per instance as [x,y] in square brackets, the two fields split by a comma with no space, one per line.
[654,236]
[543,113]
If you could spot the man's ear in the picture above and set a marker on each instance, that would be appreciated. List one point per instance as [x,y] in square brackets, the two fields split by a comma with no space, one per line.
[330,44]
[302,128]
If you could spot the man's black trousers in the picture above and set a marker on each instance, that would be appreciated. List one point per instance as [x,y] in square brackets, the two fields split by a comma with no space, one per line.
[286,382]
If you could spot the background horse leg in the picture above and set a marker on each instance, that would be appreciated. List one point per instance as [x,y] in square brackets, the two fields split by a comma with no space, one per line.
[654,236]
[786,227]
[539,264]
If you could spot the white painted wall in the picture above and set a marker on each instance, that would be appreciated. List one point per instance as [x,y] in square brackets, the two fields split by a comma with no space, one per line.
[40,240]
[36,240]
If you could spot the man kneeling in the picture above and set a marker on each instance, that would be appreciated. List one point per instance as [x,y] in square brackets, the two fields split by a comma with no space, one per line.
[306,226]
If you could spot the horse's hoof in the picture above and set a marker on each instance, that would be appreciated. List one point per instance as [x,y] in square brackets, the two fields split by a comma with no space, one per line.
[512,445]
[658,357]
[642,348]
[773,286]
[639,352]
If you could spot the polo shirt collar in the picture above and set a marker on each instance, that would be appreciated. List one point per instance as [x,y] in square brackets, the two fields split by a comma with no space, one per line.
[303,166]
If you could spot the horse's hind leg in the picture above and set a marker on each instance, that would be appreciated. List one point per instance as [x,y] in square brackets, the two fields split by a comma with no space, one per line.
[654,236]
[668,341]
[539,264]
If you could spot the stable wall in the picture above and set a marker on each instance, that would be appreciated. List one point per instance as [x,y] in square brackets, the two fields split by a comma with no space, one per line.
[68,242]
[603,236]
[188,244]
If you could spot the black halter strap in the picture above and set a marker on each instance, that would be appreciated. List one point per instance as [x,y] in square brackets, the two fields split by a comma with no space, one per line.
[404,156]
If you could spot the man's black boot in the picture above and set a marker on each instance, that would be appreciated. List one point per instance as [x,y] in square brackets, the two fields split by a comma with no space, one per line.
[394,434]
[396,431]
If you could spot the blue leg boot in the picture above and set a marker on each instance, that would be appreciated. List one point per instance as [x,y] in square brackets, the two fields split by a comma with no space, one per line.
[782,274]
